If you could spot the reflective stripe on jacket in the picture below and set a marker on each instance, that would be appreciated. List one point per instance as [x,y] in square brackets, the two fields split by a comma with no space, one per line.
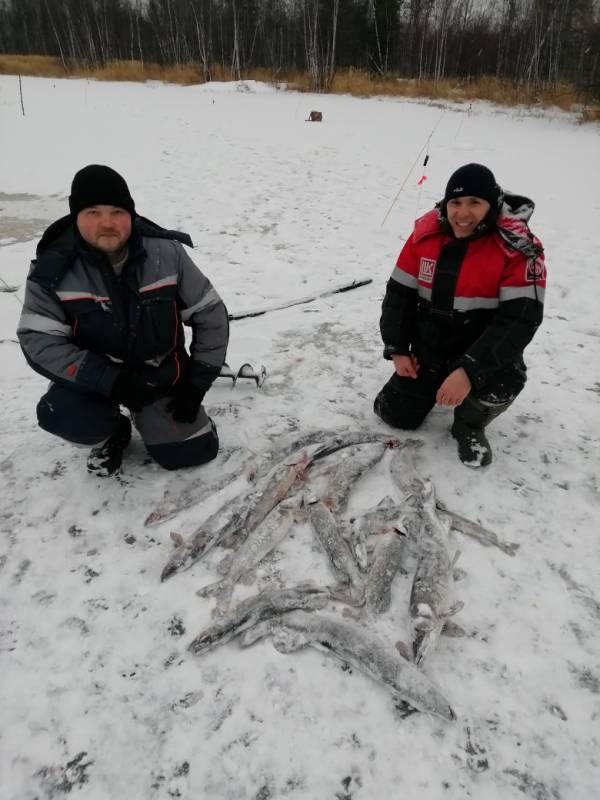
[81,324]
[486,313]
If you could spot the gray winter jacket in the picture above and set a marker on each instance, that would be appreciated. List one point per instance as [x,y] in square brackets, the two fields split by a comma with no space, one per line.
[81,324]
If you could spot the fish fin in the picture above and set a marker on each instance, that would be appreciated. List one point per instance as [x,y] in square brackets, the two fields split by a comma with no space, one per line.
[222,590]
[453,630]
[254,634]
[350,595]
[177,539]
[386,502]
[454,609]
[403,649]
[404,709]
[224,564]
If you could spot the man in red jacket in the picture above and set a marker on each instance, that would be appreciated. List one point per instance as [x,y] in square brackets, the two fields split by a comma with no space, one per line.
[464,300]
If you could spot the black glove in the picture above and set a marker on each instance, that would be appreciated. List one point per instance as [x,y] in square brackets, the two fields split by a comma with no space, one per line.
[186,402]
[132,391]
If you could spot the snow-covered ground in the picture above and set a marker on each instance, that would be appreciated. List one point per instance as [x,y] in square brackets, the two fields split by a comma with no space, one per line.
[99,697]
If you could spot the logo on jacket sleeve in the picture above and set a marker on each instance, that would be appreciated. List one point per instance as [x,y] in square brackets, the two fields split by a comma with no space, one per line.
[426,270]
[535,270]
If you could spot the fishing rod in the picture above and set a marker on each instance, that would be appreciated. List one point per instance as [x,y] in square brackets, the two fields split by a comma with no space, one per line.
[425,147]
[344,287]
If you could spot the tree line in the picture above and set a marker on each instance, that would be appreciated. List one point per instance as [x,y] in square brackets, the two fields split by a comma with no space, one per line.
[534,42]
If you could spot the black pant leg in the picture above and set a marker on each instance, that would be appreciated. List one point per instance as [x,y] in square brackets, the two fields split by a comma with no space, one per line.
[85,419]
[405,402]
[504,385]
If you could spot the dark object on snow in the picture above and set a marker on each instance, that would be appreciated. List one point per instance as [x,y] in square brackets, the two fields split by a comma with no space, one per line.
[105,459]
[315,116]
[470,420]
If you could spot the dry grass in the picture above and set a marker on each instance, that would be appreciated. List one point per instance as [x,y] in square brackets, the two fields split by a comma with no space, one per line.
[351,81]
[42,66]
[137,71]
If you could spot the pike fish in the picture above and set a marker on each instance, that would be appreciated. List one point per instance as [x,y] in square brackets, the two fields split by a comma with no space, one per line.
[327,530]
[389,554]
[348,471]
[191,496]
[433,582]
[257,466]
[253,610]
[356,645]
[224,521]
[412,485]
[348,439]
[271,532]
[385,517]
[475,531]
[243,515]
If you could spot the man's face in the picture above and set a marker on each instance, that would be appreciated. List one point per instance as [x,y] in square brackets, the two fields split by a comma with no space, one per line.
[107,228]
[465,214]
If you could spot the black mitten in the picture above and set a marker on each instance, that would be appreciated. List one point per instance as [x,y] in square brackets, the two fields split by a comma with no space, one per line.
[132,391]
[186,402]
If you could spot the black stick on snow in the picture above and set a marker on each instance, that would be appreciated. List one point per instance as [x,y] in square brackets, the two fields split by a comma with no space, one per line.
[346,287]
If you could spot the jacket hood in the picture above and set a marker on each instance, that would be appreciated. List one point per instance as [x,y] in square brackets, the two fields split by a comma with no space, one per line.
[512,225]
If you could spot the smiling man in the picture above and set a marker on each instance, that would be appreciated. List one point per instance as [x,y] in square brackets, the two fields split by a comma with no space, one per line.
[105,304]
[464,300]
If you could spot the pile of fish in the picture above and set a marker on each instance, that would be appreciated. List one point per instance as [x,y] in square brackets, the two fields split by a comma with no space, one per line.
[364,554]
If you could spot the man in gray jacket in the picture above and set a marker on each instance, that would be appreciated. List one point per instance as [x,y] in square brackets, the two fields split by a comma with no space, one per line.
[105,303]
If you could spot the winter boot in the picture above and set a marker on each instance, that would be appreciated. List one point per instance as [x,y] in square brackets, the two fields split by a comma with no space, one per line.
[470,419]
[105,459]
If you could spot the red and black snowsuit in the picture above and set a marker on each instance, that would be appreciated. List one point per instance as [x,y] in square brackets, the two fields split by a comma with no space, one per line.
[474,303]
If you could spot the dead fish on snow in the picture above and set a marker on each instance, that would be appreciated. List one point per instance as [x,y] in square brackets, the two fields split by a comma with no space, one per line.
[356,645]
[242,514]
[204,538]
[476,531]
[386,517]
[191,496]
[327,531]
[390,551]
[348,470]
[253,610]
[433,582]
[224,522]
[411,485]
[255,465]
[271,532]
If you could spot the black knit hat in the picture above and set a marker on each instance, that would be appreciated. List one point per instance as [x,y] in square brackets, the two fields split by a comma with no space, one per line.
[96,185]
[473,180]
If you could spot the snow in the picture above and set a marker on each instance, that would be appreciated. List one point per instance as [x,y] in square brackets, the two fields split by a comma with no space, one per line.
[99,696]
